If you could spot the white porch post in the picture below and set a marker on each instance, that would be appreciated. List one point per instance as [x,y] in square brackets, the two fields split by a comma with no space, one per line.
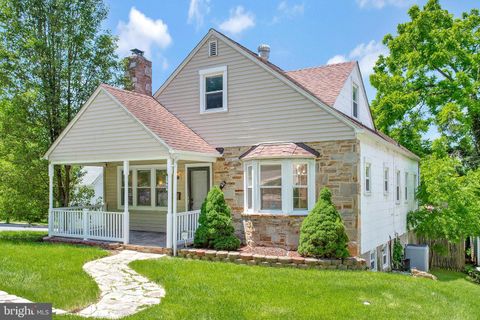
[126,215]
[50,198]
[174,222]
[169,205]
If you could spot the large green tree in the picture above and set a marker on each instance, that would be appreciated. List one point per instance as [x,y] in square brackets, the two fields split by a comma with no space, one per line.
[53,54]
[431,77]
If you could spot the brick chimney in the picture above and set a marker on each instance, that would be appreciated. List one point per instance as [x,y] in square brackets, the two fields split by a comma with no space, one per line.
[140,72]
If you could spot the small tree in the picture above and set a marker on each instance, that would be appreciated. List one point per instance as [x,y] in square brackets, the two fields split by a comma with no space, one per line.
[323,234]
[215,224]
[449,201]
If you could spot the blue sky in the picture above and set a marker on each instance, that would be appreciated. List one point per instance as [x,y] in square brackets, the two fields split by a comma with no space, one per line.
[301,33]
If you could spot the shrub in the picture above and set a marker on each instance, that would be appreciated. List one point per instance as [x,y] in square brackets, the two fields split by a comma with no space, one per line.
[473,273]
[397,254]
[215,228]
[322,234]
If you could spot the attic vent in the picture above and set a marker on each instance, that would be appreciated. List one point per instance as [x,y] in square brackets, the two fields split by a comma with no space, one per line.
[212,48]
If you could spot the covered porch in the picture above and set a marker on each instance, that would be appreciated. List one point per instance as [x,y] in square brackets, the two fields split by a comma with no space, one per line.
[156,172]
[162,208]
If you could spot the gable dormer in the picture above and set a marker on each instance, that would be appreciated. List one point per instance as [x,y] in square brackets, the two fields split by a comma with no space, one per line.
[352,99]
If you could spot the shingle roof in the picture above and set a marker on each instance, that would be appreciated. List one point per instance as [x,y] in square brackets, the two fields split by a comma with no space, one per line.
[325,82]
[280,150]
[296,77]
[160,121]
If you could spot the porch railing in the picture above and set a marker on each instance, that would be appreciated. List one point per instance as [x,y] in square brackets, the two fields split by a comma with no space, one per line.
[186,223]
[86,224]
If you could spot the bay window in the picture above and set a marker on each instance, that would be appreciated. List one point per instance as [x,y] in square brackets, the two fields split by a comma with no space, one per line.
[147,187]
[284,186]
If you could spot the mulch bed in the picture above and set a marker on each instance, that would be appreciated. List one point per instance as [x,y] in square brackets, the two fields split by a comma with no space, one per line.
[269,251]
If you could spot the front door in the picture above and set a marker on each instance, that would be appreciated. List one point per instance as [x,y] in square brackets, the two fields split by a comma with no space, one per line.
[198,186]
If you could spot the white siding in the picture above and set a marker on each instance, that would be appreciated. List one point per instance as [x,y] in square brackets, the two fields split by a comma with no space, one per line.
[261,108]
[381,217]
[105,131]
[344,99]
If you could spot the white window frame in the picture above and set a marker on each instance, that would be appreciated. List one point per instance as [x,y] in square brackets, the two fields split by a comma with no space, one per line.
[282,186]
[398,187]
[386,180]
[373,260]
[385,256]
[355,87]
[415,186]
[368,165]
[247,187]
[134,169]
[287,186]
[296,162]
[406,186]
[210,73]
[216,48]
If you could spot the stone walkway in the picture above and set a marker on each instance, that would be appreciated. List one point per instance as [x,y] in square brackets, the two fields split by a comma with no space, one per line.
[123,291]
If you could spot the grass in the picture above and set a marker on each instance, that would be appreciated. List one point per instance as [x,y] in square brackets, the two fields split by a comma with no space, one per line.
[44,272]
[209,290]
[213,290]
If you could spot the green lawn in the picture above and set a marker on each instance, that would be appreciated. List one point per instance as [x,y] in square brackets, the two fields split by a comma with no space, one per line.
[212,290]
[45,272]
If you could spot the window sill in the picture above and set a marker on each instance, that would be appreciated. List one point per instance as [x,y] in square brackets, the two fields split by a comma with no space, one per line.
[367,193]
[213,111]
[275,214]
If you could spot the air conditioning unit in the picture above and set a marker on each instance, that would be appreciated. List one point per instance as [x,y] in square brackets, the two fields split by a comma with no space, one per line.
[418,255]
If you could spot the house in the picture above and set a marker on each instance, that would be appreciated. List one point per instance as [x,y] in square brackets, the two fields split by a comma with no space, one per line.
[93,179]
[270,138]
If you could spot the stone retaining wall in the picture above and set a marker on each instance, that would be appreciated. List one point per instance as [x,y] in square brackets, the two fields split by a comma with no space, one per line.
[273,261]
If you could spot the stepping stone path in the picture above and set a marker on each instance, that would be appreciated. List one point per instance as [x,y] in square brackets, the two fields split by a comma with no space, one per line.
[123,291]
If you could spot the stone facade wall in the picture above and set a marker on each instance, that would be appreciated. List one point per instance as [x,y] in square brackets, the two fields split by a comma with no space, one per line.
[336,168]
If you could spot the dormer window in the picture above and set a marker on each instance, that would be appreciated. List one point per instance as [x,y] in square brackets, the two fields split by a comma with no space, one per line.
[355,100]
[212,48]
[213,89]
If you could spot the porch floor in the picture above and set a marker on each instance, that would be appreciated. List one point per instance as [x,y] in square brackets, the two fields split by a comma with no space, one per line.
[150,239]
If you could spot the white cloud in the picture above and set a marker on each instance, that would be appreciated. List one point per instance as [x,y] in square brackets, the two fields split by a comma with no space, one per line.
[382,3]
[284,10]
[365,53]
[339,58]
[238,21]
[197,11]
[143,33]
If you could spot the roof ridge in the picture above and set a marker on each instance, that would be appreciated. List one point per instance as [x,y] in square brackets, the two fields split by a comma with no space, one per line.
[323,66]
[127,91]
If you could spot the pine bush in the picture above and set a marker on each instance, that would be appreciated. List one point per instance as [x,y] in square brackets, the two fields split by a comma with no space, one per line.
[322,234]
[215,228]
